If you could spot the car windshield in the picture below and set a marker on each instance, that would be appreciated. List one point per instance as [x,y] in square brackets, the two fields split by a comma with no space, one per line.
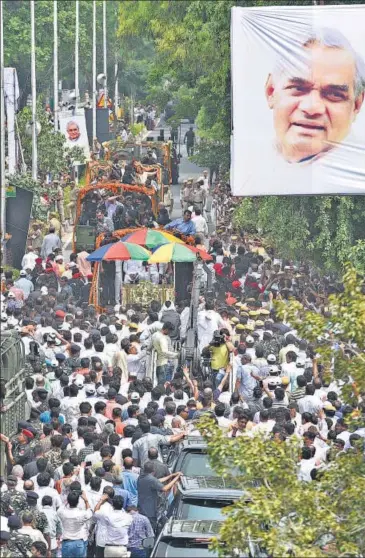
[197,464]
[182,549]
[207,509]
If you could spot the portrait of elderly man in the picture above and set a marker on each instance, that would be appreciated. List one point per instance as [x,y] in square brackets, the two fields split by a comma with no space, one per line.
[73,131]
[316,98]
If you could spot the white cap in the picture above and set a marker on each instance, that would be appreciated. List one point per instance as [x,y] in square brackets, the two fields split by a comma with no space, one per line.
[11,294]
[79,380]
[101,390]
[91,390]
[274,369]
[58,258]
[4,317]
[271,359]
[44,290]
[135,396]
[250,339]
[22,273]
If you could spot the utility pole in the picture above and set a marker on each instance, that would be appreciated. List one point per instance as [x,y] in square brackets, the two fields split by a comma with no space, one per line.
[2,131]
[105,56]
[34,95]
[116,87]
[94,71]
[55,65]
[77,40]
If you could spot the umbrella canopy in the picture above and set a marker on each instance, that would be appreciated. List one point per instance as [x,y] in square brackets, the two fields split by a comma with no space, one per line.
[176,253]
[151,238]
[119,251]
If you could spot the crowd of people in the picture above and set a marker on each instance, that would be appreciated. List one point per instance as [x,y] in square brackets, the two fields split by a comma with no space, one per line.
[88,473]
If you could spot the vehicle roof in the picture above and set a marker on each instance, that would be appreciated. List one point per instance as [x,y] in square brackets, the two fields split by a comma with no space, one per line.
[184,528]
[194,442]
[210,487]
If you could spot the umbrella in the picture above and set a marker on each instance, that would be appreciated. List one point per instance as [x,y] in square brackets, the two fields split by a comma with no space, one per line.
[119,251]
[151,238]
[176,253]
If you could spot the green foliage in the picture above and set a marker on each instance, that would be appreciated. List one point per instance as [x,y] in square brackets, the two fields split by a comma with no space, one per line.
[285,516]
[321,229]
[39,207]
[53,154]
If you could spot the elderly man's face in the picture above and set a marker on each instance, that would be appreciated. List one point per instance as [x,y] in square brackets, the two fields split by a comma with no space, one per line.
[73,131]
[315,108]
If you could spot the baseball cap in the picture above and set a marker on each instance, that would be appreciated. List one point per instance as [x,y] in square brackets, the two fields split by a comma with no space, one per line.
[23,273]
[14,522]
[11,294]
[327,406]
[4,535]
[250,339]
[31,494]
[90,390]
[4,317]
[58,258]
[44,290]
[101,390]
[60,357]
[135,396]
[271,359]
[60,314]
[79,380]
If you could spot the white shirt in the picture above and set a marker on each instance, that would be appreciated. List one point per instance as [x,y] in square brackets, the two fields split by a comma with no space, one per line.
[34,534]
[74,523]
[112,526]
[200,223]
[48,491]
[28,261]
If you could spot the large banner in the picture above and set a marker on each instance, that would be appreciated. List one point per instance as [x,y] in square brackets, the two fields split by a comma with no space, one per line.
[74,129]
[298,80]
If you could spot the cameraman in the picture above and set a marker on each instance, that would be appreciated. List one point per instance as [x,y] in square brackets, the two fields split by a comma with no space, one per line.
[220,349]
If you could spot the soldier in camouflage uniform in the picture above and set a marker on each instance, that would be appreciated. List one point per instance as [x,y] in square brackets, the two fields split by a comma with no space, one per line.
[19,544]
[4,549]
[270,346]
[39,518]
[54,454]
[12,500]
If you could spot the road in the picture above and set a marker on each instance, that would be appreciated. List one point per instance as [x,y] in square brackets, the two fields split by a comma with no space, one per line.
[187,169]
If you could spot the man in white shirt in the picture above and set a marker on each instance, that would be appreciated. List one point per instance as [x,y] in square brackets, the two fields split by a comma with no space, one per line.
[28,529]
[28,261]
[200,224]
[112,522]
[75,525]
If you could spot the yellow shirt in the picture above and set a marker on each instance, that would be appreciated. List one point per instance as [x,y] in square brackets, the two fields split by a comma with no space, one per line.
[220,357]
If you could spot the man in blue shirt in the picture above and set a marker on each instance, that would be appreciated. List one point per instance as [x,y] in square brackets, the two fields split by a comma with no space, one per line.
[184,225]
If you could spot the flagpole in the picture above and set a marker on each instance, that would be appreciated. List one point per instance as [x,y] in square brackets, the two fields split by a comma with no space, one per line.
[105,56]
[2,132]
[34,95]
[94,71]
[55,65]
[77,39]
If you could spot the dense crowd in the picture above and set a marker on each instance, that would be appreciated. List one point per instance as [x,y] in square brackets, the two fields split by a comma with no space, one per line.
[89,471]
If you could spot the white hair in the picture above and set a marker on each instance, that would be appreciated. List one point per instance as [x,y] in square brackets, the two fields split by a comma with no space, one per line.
[327,37]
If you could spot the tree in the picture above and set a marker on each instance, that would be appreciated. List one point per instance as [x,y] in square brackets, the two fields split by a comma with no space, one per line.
[321,229]
[284,516]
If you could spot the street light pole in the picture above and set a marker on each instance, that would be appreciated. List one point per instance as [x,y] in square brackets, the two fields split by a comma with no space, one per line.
[34,95]
[94,71]
[2,131]
[55,65]
[105,56]
[77,39]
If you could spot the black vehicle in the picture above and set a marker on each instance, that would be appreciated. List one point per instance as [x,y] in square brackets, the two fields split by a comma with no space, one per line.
[192,459]
[185,538]
[201,498]
[192,539]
